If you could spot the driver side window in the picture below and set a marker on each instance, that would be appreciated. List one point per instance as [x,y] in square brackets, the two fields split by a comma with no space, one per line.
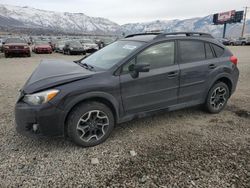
[159,55]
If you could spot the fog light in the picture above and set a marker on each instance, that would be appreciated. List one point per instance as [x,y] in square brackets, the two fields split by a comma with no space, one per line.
[35,127]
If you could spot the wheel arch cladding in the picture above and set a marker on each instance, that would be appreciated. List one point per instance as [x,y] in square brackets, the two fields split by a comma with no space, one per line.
[113,107]
[228,82]
[225,80]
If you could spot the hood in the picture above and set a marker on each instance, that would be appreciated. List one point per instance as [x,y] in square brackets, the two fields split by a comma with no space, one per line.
[16,44]
[42,46]
[51,73]
[89,44]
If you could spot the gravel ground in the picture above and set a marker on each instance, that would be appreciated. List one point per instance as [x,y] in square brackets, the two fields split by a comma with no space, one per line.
[186,148]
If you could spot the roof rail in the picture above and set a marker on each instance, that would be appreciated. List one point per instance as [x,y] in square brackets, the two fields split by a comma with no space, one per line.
[188,34]
[139,34]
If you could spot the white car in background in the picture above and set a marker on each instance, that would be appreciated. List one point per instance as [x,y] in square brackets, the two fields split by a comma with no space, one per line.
[1,45]
[59,46]
[89,45]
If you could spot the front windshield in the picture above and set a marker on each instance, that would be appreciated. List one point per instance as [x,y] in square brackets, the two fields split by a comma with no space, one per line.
[111,54]
[41,42]
[87,41]
[75,43]
[14,40]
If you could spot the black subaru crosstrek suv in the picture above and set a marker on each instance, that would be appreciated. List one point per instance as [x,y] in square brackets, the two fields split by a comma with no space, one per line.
[132,77]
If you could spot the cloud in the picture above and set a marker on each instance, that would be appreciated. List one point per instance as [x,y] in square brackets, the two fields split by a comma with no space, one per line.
[136,11]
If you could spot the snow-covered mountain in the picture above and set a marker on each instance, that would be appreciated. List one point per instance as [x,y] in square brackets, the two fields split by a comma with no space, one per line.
[14,17]
[203,24]
[31,20]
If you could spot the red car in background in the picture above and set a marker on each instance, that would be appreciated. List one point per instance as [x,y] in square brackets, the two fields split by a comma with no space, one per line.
[42,47]
[16,46]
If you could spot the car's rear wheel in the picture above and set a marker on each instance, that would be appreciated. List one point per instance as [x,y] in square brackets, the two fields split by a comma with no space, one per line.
[90,124]
[6,55]
[217,98]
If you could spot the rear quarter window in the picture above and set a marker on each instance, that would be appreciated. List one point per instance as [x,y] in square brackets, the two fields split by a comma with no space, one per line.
[218,50]
[209,52]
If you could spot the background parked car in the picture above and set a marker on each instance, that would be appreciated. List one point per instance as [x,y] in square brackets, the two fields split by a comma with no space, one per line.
[89,45]
[16,46]
[42,47]
[59,46]
[73,47]
[1,45]
[224,41]
[243,41]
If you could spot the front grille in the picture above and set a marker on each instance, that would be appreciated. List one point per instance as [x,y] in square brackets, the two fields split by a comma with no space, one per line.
[16,47]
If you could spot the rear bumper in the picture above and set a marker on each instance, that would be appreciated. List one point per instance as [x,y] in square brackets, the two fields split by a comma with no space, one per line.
[46,117]
[235,78]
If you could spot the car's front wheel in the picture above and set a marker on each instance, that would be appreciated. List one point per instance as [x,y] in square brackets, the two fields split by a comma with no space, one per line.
[217,98]
[90,124]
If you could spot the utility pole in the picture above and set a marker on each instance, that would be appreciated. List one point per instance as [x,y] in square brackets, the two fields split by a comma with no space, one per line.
[224,30]
[244,21]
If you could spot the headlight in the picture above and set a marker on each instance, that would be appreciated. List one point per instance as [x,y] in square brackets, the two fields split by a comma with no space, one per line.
[71,48]
[26,46]
[41,97]
[7,47]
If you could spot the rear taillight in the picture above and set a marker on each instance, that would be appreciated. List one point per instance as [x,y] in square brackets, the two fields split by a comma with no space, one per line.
[234,60]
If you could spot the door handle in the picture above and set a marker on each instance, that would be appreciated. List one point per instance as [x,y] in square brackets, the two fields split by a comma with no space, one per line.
[212,66]
[172,74]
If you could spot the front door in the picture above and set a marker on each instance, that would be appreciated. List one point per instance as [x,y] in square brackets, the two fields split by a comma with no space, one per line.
[155,89]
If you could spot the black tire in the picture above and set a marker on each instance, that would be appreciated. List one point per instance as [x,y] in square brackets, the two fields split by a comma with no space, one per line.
[6,55]
[215,104]
[29,55]
[81,126]
[243,44]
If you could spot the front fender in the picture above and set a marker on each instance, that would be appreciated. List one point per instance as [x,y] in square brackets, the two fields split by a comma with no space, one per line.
[79,98]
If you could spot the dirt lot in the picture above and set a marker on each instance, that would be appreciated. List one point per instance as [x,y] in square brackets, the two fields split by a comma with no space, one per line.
[186,148]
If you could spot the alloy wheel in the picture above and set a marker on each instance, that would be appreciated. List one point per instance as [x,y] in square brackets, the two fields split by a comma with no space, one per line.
[92,126]
[218,98]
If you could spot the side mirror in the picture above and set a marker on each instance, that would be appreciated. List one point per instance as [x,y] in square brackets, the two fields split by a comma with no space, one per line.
[134,69]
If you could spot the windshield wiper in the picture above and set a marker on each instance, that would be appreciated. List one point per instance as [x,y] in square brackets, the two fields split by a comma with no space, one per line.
[82,58]
[85,65]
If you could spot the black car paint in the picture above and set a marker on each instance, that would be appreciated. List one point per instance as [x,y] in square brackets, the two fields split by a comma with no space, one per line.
[189,86]
[50,73]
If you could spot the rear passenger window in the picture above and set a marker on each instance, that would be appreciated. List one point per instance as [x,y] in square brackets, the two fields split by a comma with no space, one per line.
[191,51]
[209,53]
[218,50]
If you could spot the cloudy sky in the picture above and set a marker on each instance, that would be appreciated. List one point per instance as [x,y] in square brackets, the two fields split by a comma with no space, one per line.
[128,11]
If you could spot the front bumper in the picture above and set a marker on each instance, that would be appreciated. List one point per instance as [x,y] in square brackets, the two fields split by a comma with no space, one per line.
[46,117]
[77,51]
[43,50]
[17,51]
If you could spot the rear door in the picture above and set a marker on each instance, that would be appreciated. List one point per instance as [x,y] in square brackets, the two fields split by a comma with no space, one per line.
[194,59]
[155,89]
